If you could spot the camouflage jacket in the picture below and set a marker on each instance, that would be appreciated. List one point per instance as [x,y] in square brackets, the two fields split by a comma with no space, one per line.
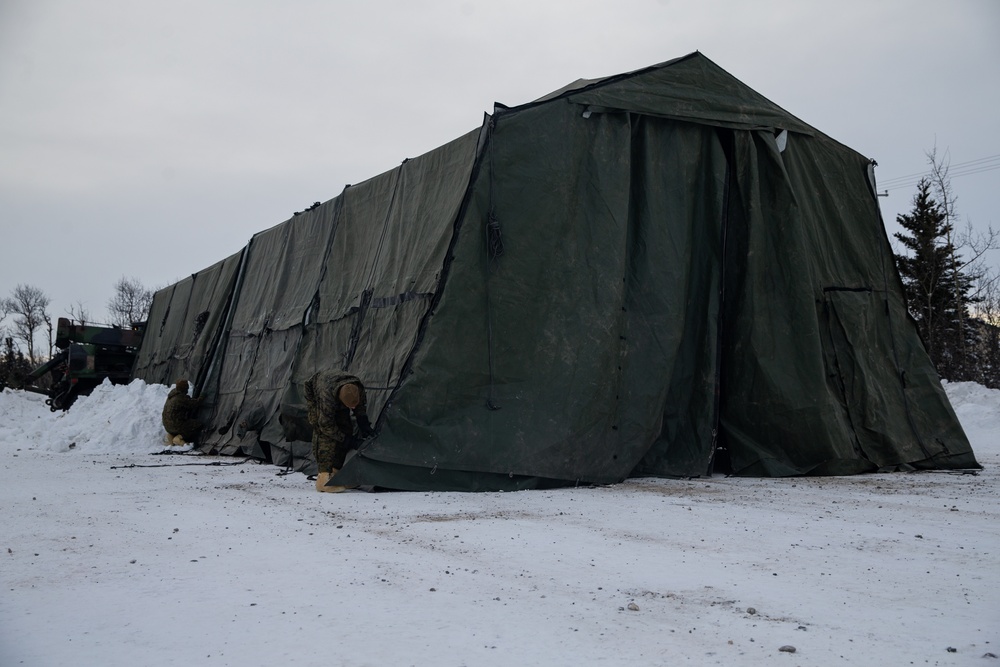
[329,418]
[178,409]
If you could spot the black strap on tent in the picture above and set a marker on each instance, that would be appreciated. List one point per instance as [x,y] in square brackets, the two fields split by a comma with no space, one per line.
[494,241]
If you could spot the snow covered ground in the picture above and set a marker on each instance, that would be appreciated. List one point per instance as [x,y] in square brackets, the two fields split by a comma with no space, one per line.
[112,555]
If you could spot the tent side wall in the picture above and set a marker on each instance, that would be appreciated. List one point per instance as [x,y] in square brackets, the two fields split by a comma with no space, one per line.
[567,355]
[345,285]
[816,339]
[380,271]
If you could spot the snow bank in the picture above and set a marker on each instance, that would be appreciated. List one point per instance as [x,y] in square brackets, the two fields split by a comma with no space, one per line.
[978,409]
[114,418]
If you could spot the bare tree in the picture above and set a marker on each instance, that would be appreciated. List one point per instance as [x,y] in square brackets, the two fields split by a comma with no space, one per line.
[3,315]
[28,303]
[130,303]
[78,312]
[49,330]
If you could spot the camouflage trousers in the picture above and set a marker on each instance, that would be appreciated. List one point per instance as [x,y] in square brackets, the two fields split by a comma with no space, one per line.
[329,454]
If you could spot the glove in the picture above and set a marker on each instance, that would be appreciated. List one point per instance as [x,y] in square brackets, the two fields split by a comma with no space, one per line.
[365,426]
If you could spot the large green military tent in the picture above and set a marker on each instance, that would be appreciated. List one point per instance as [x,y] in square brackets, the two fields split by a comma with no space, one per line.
[630,276]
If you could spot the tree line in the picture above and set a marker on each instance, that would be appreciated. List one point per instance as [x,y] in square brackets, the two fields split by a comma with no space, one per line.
[25,319]
[950,293]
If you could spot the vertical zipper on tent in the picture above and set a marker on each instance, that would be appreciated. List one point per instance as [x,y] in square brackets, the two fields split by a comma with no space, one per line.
[494,250]
[726,139]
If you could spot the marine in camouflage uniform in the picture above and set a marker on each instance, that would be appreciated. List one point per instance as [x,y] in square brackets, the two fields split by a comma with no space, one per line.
[332,427]
[179,414]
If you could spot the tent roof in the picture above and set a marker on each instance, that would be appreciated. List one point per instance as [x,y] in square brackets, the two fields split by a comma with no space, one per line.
[691,88]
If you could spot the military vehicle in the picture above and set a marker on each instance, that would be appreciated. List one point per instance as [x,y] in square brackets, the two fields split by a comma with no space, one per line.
[87,356]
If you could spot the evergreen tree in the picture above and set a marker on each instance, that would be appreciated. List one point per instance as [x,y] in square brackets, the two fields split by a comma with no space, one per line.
[14,368]
[937,291]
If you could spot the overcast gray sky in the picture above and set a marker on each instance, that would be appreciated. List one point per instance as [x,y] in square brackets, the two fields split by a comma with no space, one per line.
[151,139]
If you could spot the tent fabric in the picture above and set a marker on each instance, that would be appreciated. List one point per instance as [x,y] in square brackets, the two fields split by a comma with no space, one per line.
[630,276]
[184,322]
